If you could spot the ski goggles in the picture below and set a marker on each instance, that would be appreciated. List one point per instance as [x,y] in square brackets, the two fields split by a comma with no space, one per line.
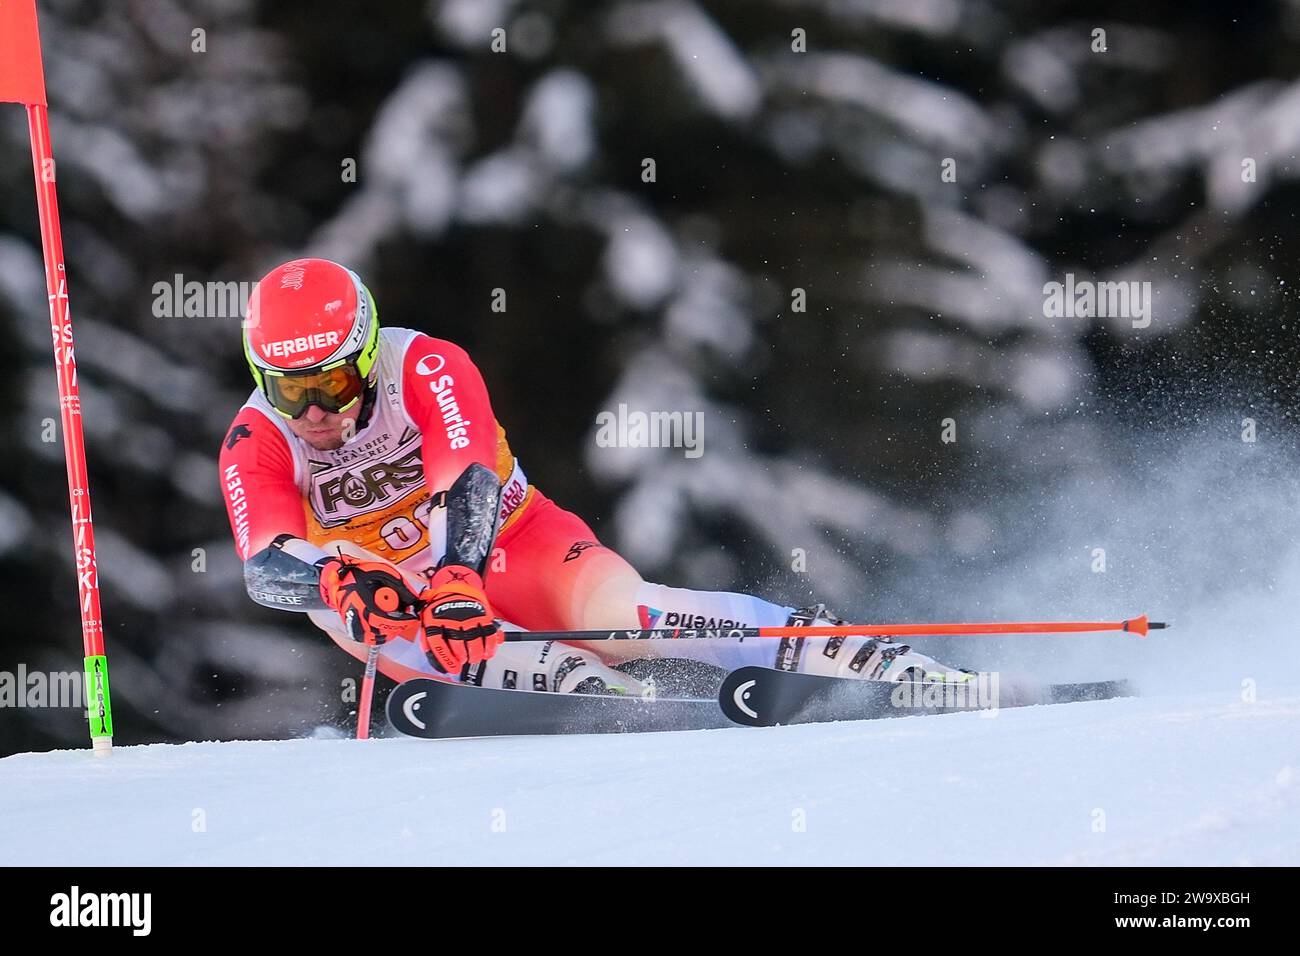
[335,388]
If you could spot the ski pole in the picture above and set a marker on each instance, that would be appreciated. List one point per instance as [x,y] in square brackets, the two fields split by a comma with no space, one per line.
[1136,625]
[367,693]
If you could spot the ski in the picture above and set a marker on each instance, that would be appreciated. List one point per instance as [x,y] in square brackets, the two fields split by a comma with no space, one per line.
[750,696]
[436,709]
[763,697]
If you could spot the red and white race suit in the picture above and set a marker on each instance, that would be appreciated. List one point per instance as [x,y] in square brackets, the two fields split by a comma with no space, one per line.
[382,493]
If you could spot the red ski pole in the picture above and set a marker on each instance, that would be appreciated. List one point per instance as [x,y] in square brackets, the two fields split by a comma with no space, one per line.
[367,693]
[1136,625]
[22,80]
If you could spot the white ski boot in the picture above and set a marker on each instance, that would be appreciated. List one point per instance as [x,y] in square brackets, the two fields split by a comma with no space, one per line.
[553,667]
[868,658]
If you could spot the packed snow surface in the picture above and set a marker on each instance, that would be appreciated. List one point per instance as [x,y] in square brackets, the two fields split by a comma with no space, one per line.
[1208,778]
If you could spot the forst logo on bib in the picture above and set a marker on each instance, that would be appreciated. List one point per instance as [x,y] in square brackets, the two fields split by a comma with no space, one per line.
[365,487]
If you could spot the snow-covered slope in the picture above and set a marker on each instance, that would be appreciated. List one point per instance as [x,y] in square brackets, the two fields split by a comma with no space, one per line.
[1191,779]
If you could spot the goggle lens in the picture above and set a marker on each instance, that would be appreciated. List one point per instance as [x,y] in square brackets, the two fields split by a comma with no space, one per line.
[334,390]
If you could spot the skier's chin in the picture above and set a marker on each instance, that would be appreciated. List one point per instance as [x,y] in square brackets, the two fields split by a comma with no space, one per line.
[324,442]
[321,436]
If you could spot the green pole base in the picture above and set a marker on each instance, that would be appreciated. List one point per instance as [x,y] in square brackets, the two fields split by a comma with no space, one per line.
[99,707]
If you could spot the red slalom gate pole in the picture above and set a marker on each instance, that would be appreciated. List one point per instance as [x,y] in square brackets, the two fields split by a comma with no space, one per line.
[22,80]
[1136,625]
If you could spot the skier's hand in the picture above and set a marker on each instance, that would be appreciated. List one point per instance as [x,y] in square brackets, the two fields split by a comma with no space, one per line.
[458,623]
[372,599]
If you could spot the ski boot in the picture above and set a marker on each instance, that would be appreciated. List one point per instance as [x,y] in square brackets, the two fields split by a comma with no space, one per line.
[867,658]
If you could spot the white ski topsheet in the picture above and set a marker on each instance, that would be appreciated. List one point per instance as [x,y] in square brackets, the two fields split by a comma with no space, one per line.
[1199,778]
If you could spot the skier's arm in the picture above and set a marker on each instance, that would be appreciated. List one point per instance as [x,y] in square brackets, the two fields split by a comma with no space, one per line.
[281,568]
[447,401]
[286,574]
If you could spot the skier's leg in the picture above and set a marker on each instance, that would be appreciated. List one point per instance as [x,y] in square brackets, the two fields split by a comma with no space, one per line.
[551,666]
[872,658]
[556,576]
[551,574]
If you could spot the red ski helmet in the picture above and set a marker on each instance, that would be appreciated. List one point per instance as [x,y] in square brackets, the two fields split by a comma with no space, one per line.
[311,336]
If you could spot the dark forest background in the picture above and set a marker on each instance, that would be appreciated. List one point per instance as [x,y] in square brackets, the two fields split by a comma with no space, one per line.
[521,170]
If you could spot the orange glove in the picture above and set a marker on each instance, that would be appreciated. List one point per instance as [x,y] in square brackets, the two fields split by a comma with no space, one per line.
[372,599]
[457,619]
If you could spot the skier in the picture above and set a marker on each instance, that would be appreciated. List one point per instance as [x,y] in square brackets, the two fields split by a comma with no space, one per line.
[369,484]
